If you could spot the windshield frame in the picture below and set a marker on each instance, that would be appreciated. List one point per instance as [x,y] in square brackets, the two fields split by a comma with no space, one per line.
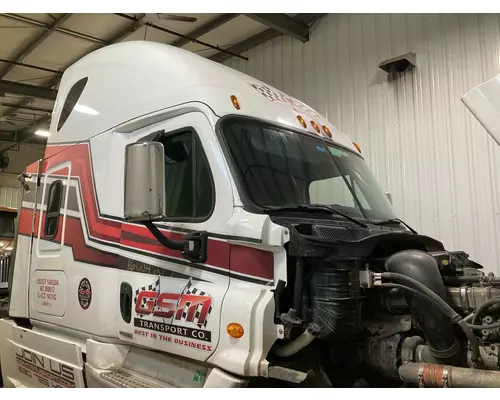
[248,204]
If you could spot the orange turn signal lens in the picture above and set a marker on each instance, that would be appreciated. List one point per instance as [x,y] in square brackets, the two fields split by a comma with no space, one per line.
[235,101]
[357,147]
[235,330]
[327,131]
[302,121]
[315,126]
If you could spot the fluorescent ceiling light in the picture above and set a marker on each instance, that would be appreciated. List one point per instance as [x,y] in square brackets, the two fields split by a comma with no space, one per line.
[85,110]
[42,132]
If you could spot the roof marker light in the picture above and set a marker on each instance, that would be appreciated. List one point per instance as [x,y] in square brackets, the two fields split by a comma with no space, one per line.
[327,131]
[357,147]
[235,101]
[315,126]
[302,121]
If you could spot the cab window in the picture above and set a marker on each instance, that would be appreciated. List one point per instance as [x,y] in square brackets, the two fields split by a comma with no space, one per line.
[189,185]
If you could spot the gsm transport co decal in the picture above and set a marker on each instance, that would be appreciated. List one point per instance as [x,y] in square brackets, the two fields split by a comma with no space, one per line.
[180,314]
[275,95]
[48,372]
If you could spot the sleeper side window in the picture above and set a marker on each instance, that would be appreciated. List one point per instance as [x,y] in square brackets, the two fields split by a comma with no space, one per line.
[53,209]
[69,104]
[189,186]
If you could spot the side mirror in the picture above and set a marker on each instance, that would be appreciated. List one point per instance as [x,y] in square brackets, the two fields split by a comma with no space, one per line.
[144,192]
[389,196]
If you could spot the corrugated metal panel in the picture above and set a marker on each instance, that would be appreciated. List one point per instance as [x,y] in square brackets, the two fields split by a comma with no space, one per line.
[424,146]
[9,180]
[10,197]
[10,191]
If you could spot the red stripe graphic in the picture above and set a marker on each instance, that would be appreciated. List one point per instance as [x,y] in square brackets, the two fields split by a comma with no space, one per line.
[239,259]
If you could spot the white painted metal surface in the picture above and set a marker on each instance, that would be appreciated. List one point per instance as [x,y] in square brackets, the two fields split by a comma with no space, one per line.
[423,144]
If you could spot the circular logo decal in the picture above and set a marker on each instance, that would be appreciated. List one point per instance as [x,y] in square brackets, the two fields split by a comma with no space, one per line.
[84,293]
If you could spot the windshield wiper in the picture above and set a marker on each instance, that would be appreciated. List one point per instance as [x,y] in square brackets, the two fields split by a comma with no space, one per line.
[395,221]
[316,207]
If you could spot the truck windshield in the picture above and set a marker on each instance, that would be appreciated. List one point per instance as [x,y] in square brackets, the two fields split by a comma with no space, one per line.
[7,228]
[277,167]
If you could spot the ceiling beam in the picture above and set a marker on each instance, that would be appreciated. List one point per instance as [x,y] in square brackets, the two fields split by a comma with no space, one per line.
[135,26]
[171,32]
[261,38]
[37,67]
[283,24]
[24,89]
[246,44]
[25,51]
[204,29]
[64,31]
[24,107]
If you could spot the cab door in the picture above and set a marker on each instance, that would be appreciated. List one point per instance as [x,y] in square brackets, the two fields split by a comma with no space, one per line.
[47,297]
[178,310]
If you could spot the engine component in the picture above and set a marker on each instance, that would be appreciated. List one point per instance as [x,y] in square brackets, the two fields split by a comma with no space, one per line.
[434,375]
[409,347]
[489,356]
[468,298]
[414,349]
[383,326]
[335,298]
[490,334]
[382,355]
[437,330]
[289,349]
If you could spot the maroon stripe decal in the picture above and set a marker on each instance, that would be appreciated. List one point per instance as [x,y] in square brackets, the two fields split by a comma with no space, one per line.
[234,258]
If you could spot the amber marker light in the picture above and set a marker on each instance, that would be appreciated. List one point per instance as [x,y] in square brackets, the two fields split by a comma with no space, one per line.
[235,330]
[236,102]
[302,121]
[315,126]
[327,131]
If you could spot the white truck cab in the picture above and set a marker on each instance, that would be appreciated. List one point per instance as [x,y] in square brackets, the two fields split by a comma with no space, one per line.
[190,226]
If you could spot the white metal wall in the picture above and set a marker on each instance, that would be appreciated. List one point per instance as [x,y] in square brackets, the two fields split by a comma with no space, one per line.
[424,146]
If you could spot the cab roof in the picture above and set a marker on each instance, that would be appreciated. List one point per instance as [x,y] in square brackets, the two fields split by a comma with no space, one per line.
[127,80]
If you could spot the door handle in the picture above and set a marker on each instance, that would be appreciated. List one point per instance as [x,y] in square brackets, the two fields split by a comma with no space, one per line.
[126,302]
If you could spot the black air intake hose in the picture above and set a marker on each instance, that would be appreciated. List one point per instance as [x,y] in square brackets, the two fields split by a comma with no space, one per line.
[437,330]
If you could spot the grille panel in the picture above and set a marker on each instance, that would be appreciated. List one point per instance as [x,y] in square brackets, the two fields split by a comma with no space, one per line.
[4,269]
[332,233]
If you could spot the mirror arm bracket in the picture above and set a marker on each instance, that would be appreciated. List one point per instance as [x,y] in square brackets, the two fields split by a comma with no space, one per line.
[193,246]
[165,241]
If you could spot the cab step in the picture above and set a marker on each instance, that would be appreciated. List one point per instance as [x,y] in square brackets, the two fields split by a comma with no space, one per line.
[123,378]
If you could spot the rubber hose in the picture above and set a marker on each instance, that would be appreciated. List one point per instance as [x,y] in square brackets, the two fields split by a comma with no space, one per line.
[483,307]
[480,327]
[452,314]
[289,349]
[432,375]
[421,267]
[418,294]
